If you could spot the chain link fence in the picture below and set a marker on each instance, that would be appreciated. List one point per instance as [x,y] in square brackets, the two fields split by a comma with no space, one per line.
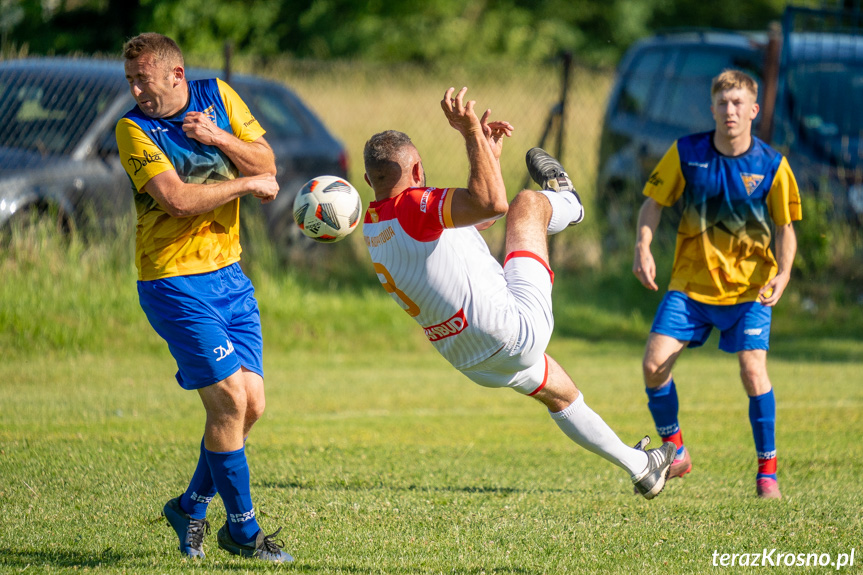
[358,99]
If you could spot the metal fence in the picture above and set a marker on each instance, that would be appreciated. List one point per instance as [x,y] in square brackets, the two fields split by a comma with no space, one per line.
[819,95]
[358,99]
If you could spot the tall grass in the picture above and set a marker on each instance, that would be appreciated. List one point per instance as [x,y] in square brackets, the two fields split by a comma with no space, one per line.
[63,292]
[72,294]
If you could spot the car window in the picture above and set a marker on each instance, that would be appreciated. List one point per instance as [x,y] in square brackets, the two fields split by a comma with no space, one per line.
[638,82]
[685,99]
[826,98]
[49,113]
[273,110]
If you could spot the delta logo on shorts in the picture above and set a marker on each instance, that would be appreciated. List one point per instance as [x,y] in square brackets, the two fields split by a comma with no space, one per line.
[453,326]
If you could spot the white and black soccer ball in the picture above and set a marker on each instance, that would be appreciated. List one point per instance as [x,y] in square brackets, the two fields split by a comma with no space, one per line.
[327,208]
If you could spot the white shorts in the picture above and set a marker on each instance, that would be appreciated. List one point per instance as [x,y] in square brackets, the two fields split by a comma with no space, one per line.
[522,364]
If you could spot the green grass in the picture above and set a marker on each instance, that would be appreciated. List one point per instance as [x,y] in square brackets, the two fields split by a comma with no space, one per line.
[388,462]
[376,457]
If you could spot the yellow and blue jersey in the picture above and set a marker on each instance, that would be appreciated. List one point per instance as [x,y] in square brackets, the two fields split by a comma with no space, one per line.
[168,246]
[723,254]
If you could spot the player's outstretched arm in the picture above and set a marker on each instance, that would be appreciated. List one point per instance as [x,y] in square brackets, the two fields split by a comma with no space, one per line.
[181,200]
[495,133]
[786,250]
[643,264]
[484,198]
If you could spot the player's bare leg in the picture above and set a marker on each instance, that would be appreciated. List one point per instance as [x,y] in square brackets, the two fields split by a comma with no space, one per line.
[526,223]
[532,216]
[233,405]
[192,529]
[648,469]
[660,355]
[762,417]
[225,403]
[753,371]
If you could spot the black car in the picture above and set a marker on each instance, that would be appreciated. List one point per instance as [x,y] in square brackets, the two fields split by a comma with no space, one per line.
[59,158]
[810,112]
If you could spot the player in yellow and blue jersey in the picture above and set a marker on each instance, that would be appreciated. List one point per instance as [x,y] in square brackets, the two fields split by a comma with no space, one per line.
[735,191]
[184,146]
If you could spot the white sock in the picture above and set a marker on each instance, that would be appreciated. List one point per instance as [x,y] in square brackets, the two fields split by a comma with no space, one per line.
[582,425]
[565,209]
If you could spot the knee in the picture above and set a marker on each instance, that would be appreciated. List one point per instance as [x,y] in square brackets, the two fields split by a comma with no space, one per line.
[255,409]
[529,200]
[653,372]
[754,379]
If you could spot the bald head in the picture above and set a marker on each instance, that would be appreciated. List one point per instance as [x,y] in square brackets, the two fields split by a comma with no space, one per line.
[389,159]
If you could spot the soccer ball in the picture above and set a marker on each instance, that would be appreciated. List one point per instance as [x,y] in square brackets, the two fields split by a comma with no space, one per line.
[327,208]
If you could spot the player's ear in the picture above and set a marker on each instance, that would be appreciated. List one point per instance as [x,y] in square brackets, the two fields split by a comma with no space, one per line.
[755,109]
[179,74]
[368,181]
[417,171]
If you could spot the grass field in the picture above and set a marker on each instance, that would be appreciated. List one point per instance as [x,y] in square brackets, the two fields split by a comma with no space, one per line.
[378,462]
[376,457]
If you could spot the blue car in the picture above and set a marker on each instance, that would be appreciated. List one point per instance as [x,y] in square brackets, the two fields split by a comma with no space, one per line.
[810,101]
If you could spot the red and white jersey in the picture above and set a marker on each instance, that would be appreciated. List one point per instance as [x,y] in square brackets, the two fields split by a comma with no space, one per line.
[443,277]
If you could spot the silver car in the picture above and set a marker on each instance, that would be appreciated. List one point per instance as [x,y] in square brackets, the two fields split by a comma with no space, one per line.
[59,159]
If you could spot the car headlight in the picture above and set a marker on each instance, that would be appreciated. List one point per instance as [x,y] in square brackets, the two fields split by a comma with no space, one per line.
[11,195]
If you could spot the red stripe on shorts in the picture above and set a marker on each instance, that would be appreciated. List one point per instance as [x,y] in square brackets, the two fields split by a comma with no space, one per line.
[544,378]
[527,254]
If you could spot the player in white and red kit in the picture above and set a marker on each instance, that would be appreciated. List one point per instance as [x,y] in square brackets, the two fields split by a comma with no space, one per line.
[490,322]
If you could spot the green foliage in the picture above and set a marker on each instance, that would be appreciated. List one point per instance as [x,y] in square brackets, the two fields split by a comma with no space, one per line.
[437,31]
[201,27]
[749,15]
[815,237]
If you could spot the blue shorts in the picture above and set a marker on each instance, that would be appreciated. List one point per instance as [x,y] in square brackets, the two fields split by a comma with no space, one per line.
[210,321]
[742,326]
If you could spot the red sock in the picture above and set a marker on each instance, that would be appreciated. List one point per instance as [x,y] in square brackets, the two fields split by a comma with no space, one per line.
[676,439]
[767,467]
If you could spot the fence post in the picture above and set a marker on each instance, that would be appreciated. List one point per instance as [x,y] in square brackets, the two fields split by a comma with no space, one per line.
[564,91]
[229,53]
[771,79]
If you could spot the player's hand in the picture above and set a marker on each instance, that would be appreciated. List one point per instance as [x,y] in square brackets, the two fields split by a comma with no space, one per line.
[264,187]
[200,127]
[495,132]
[460,114]
[771,292]
[644,268]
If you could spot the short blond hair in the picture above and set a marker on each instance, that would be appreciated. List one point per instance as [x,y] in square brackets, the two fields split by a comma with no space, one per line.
[731,79]
[164,48]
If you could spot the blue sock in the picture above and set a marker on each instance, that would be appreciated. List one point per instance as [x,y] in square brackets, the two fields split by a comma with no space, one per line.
[230,472]
[663,406]
[201,489]
[762,416]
